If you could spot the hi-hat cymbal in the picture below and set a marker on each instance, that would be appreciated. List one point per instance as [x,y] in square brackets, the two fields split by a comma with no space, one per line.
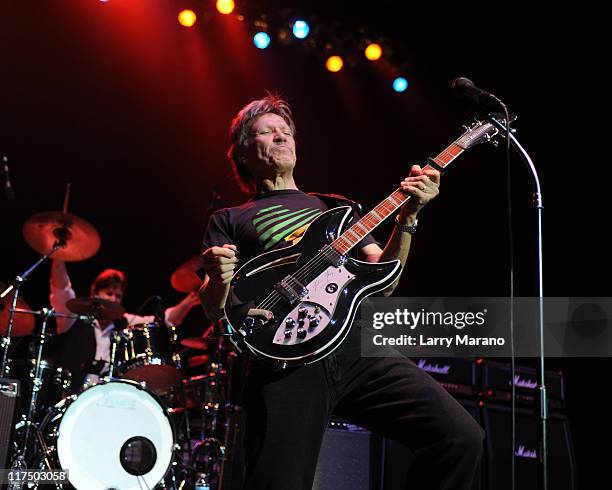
[197,343]
[101,309]
[184,279]
[43,230]
[23,323]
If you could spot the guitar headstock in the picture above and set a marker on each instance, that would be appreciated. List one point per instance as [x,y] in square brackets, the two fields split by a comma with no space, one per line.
[477,133]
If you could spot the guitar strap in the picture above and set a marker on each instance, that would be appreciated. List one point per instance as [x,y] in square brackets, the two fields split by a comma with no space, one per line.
[336,200]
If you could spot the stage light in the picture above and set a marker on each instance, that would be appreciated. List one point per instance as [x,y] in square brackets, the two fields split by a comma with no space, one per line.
[300,29]
[334,63]
[373,52]
[400,84]
[187,18]
[261,40]
[226,6]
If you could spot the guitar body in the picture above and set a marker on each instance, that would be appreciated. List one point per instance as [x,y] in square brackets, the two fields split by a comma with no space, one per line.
[313,300]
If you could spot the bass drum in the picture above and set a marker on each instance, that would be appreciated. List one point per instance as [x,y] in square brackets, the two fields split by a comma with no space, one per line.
[115,435]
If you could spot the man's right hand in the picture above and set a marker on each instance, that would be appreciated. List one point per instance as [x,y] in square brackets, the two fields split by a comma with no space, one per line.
[220,263]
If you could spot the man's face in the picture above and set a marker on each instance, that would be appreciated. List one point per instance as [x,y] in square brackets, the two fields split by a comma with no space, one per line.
[112,293]
[271,146]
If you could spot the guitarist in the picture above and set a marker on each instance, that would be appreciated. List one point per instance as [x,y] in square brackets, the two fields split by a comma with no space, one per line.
[288,410]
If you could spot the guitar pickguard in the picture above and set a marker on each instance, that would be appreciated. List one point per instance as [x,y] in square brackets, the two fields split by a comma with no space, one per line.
[313,313]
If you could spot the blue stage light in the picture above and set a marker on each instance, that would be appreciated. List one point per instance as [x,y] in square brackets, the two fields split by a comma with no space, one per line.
[300,29]
[261,40]
[400,84]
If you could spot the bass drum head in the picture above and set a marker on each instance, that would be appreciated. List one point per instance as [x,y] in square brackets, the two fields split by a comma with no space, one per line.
[115,435]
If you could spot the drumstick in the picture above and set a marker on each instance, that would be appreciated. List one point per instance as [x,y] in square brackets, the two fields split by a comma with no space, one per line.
[66,197]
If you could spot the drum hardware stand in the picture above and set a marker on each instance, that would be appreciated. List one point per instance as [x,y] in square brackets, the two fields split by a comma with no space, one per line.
[116,338]
[37,382]
[62,235]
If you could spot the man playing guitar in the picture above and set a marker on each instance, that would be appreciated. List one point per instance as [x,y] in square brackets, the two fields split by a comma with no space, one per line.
[288,410]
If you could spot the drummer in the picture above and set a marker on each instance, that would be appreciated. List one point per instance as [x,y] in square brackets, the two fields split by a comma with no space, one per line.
[79,347]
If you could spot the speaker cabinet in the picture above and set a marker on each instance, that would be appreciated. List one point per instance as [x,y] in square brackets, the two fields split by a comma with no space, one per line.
[498,425]
[350,459]
[9,398]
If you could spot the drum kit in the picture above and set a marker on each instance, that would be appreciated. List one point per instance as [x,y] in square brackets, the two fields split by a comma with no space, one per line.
[155,416]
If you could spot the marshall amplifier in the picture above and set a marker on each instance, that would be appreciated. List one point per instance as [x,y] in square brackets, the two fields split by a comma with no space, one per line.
[456,375]
[497,385]
[499,451]
[9,396]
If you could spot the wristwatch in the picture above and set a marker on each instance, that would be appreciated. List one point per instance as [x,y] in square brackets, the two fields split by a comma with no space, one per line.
[407,228]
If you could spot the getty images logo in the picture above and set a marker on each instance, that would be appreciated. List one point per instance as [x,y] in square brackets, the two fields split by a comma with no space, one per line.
[522,452]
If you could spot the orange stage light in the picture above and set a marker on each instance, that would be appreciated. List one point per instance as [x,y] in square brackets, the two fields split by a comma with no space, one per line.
[226,6]
[373,52]
[334,63]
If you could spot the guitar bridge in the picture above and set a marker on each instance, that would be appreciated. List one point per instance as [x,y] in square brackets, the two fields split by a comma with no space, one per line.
[291,289]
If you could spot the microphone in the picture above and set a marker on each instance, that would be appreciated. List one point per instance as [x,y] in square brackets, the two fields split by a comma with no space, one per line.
[9,192]
[464,88]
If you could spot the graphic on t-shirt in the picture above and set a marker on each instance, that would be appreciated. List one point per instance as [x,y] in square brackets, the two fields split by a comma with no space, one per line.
[276,223]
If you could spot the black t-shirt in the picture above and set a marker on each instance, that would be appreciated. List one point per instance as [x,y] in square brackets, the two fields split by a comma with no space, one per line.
[272,220]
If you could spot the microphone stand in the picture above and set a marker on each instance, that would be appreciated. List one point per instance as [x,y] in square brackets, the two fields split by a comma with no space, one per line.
[500,123]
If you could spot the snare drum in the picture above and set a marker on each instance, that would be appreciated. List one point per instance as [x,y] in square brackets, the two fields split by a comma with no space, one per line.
[148,353]
[115,435]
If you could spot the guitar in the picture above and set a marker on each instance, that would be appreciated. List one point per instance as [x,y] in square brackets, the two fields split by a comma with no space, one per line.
[314,288]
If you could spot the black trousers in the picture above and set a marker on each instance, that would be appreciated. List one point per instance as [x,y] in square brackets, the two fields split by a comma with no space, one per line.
[288,412]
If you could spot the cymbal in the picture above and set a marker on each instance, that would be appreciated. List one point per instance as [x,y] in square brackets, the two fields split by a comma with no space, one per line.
[42,230]
[196,343]
[184,279]
[23,323]
[101,309]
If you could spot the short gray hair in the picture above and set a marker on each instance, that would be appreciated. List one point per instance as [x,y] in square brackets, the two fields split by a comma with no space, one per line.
[239,134]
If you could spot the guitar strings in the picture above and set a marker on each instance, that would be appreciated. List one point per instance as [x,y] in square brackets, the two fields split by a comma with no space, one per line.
[314,264]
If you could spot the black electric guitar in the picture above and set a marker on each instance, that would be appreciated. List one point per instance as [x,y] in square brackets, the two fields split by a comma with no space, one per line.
[313,287]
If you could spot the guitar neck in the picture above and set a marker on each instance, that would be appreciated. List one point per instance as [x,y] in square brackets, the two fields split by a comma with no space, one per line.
[353,235]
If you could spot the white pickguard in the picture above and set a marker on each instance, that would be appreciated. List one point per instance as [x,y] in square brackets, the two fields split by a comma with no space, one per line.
[319,303]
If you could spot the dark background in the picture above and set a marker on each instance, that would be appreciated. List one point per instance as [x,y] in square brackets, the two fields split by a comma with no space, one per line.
[133,110]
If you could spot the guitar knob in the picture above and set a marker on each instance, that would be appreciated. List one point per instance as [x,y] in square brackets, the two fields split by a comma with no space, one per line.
[287,333]
[301,332]
[302,312]
[317,310]
[290,322]
[314,322]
